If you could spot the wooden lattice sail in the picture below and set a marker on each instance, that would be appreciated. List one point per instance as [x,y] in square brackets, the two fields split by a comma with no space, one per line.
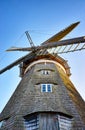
[45,98]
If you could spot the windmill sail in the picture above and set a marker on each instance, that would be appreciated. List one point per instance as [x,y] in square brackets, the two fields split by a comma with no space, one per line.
[70,45]
[61,34]
[64,42]
[26,57]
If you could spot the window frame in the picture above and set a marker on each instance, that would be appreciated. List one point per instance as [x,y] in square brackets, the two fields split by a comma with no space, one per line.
[64,122]
[46,87]
[45,72]
[2,123]
[31,122]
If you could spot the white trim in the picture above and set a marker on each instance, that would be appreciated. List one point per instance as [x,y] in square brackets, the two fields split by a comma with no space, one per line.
[44,61]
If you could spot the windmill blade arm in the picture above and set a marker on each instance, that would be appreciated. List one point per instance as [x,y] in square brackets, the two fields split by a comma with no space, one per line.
[61,34]
[29,38]
[52,44]
[64,42]
[28,56]
[19,49]
[59,43]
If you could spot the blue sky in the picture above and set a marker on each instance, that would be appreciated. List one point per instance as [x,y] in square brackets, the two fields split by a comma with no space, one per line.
[42,18]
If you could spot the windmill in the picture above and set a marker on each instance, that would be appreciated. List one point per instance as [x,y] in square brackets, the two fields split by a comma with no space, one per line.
[45,99]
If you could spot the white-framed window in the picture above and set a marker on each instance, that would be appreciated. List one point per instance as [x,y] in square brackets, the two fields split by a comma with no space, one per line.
[45,72]
[46,87]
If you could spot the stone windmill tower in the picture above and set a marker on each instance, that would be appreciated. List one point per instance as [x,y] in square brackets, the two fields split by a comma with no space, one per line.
[45,99]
